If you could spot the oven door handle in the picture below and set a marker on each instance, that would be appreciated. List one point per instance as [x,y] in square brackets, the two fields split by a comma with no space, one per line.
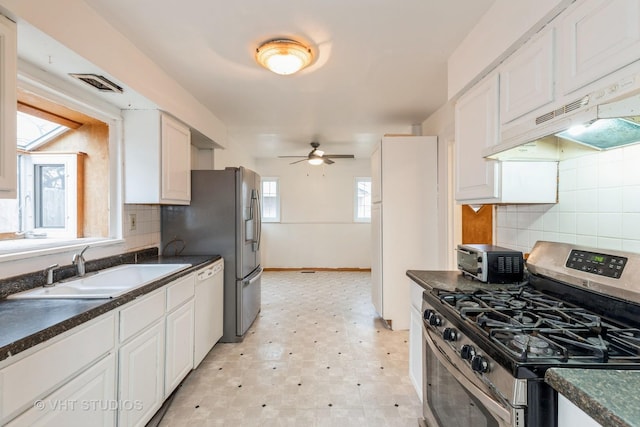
[485,399]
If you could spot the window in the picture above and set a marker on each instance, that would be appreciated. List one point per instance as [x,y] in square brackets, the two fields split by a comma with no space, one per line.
[270,200]
[362,205]
[64,173]
[50,190]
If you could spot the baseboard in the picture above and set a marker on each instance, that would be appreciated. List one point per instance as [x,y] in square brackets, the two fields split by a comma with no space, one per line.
[316,269]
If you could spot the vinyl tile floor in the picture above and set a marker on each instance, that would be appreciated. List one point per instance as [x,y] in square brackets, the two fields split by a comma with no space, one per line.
[317,355]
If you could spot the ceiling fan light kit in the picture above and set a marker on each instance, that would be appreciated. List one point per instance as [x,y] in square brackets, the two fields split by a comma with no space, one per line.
[283,56]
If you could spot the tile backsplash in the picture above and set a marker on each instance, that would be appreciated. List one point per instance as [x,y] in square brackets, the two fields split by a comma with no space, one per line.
[598,206]
[147,226]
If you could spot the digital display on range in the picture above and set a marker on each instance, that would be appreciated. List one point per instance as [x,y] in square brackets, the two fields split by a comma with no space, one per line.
[597,263]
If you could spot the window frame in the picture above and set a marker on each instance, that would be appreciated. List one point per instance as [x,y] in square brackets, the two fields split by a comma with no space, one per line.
[276,218]
[45,85]
[356,199]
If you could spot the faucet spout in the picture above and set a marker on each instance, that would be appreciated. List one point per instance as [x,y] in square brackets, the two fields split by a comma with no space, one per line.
[78,260]
[49,273]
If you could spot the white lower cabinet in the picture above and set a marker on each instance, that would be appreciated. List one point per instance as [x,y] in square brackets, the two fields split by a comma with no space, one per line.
[116,369]
[569,415]
[87,400]
[140,379]
[179,346]
[415,338]
[42,373]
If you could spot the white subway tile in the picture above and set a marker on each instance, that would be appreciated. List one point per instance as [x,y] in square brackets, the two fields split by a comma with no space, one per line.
[631,226]
[610,199]
[610,225]
[566,201]
[550,222]
[591,241]
[608,243]
[587,200]
[567,180]
[587,223]
[567,222]
[631,199]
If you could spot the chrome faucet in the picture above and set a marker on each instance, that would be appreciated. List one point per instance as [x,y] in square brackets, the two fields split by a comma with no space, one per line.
[78,261]
[49,273]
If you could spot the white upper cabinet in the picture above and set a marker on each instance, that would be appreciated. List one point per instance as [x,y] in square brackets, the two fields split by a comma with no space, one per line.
[157,158]
[476,128]
[8,77]
[597,37]
[527,78]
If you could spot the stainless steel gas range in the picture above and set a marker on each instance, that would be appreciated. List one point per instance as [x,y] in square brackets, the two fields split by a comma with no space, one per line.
[486,351]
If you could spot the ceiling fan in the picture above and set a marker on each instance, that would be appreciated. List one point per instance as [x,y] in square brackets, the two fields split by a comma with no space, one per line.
[318,157]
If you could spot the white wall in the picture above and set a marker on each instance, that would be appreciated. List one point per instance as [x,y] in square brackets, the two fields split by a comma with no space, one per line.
[599,206]
[74,24]
[317,227]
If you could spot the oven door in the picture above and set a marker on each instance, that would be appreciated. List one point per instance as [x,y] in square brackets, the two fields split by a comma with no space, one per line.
[450,399]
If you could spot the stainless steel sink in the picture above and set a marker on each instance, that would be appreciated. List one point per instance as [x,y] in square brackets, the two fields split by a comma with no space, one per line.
[108,283]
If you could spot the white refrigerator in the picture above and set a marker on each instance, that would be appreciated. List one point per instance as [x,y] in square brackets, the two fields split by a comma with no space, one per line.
[404,220]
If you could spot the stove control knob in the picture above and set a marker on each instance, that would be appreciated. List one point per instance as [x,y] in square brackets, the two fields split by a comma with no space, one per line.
[427,314]
[449,334]
[435,320]
[479,364]
[467,352]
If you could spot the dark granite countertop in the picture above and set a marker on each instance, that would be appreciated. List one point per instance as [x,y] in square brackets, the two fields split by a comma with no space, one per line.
[608,396]
[26,323]
[448,280]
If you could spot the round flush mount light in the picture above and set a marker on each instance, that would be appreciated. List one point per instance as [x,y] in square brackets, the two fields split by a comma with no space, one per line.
[283,56]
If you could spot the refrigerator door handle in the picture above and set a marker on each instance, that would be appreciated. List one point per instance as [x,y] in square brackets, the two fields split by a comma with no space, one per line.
[255,276]
[256,216]
[259,220]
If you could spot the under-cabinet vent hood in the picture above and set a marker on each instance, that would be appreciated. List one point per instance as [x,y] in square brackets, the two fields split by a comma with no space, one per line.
[580,127]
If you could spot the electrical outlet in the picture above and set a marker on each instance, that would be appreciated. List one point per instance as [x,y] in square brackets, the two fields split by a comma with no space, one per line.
[132,222]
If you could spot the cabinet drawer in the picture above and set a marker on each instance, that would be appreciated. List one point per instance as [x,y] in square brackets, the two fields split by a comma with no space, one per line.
[141,314]
[40,373]
[180,291]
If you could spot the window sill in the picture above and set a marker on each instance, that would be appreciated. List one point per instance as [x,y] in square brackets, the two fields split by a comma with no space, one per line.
[11,250]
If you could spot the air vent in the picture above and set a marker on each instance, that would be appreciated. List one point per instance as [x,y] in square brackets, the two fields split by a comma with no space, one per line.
[99,82]
[572,106]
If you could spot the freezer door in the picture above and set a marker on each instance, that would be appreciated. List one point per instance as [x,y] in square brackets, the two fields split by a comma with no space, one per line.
[248,302]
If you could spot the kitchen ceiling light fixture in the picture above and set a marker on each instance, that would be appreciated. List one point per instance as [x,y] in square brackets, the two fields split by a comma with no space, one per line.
[283,56]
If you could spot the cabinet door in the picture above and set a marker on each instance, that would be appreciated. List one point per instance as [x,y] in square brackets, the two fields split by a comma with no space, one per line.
[598,37]
[87,400]
[176,161]
[569,415]
[141,376]
[218,305]
[476,122]
[376,258]
[415,350]
[8,75]
[179,346]
[526,79]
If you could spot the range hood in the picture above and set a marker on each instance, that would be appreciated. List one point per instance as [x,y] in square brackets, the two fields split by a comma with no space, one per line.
[578,128]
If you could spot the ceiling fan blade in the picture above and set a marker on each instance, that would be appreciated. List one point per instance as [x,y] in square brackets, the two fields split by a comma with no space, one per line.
[340,156]
[298,161]
[292,157]
[327,161]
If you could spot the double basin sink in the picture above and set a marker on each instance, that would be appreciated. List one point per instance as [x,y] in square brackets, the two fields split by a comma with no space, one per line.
[108,283]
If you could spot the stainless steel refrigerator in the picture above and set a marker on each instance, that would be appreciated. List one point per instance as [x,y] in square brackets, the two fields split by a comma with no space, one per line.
[223,218]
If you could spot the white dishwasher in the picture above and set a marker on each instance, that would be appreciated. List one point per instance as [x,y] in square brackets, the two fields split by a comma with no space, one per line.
[209,314]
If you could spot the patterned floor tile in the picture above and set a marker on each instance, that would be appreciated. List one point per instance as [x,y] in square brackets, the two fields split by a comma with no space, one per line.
[317,355]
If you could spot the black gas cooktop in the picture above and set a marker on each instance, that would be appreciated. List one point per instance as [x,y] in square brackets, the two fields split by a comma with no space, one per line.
[522,327]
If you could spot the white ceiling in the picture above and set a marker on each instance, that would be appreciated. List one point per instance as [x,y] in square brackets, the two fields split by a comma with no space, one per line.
[380,68]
